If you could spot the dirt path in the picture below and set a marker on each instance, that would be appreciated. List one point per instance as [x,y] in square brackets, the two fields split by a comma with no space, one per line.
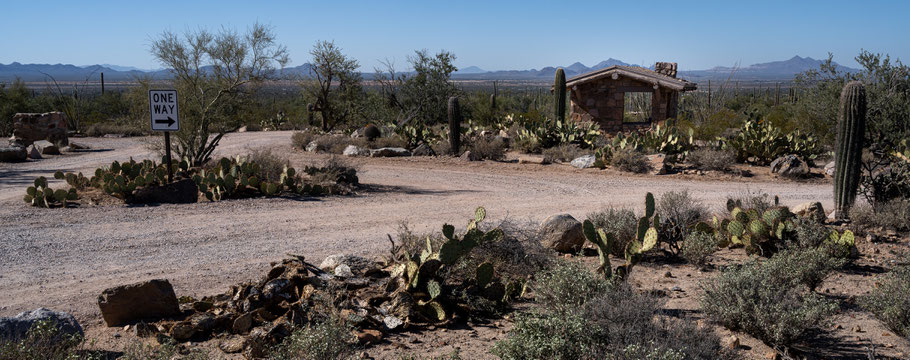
[63,259]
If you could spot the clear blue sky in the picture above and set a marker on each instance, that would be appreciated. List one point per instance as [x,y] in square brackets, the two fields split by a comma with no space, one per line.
[490,34]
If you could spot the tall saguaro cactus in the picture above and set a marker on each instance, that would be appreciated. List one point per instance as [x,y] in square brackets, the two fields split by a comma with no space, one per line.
[454,125]
[851,129]
[559,92]
[493,99]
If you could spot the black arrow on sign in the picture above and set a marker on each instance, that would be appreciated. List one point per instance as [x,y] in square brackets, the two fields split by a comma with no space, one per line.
[169,121]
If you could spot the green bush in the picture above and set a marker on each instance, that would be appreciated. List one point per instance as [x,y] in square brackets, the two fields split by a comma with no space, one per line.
[768,299]
[697,247]
[630,161]
[890,302]
[710,159]
[679,212]
[567,287]
[330,339]
[620,222]
[43,341]
[604,321]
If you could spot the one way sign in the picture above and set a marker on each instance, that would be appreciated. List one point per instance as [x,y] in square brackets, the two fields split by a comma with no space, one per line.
[163,106]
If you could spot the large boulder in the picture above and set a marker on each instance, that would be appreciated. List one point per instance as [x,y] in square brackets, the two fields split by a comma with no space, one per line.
[13,153]
[179,192]
[153,299]
[46,147]
[34,153]
[830,168]
[31,127]
[790,166]
[584,162]
[16,327]
[561,233]
[389,152]
[354,150]
[659,164]
[811,210]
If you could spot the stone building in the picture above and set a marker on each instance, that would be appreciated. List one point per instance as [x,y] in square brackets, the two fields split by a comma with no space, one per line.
[603,96]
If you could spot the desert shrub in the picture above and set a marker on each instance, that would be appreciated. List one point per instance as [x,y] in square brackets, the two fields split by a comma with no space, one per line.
[101,129]
[807,267]
[710,159]
[622,223]
[893,215]
[333,143]
[271,164]
[605,321]
[564,153]
[765,300]
[333,170]
[890,302]
[301,139]
[44,340]
[630,161]
[488,149]
[140,351]
[567,286]
[389,141]
[518,255]
[330,339]
[697,247]
[750,200]
[679,212]
[809,234]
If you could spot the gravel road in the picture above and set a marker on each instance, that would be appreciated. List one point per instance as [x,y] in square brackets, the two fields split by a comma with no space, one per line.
[64,258]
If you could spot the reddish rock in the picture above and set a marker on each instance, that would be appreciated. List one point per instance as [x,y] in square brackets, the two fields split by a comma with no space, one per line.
[153,299]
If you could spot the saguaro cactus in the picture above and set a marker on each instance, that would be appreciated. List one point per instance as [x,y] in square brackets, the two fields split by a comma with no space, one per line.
[493,99]
[851,128]
[454,125]
[559,92]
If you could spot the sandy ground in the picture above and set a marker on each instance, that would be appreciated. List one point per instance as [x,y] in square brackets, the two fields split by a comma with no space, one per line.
[63,258]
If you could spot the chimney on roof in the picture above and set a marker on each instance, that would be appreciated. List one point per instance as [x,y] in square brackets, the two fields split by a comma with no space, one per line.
[666,68]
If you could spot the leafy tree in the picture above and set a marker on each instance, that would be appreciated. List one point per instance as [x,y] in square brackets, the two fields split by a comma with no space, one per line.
[424,95]
[214,73]
[335,104]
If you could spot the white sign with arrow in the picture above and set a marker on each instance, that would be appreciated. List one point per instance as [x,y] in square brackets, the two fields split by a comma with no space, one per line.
[163,106]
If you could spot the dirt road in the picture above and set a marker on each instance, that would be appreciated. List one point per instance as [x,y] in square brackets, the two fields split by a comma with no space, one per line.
[63,258]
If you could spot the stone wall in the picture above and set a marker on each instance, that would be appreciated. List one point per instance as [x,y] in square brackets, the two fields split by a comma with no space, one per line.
[602,101]
[31,127]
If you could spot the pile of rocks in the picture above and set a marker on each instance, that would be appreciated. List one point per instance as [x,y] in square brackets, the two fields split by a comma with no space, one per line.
[254,316]
[35,135]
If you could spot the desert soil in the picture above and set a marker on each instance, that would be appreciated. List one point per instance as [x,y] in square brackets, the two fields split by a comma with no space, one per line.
[63,258]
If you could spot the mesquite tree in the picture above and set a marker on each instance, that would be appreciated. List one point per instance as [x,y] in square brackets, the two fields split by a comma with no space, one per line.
[335,85]
[213,73]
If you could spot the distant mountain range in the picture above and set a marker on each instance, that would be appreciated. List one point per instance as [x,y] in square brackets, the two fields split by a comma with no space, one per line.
[775,70]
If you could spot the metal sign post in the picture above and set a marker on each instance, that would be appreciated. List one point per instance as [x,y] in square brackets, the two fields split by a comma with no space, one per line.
[163,108]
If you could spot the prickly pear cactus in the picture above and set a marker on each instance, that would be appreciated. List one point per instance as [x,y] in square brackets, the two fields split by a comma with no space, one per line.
[41,195]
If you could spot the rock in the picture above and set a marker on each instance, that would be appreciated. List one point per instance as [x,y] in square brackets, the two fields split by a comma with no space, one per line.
[354,150]
[34,153]
[16,327]
[153,299]
[561,233]
[389,152]
[811,210]
[312,146]
[31,127]
[368,336]
[242,129]
[532,159]
[13,153]
[343,271]
[391,322]
[584,162]
[790,166]
[202,322]
[422,150]
[242,323]
[504,135]
[467,156]
[179,192]
[46,147]
[732,342]
[75,147]
[829,168]
[232,345]
[143,329]
[355,263]
[659,164]
[182,331]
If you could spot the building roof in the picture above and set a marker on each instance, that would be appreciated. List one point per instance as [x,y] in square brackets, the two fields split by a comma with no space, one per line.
[637,73]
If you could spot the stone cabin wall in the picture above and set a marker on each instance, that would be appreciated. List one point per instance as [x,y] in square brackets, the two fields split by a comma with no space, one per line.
[602,101]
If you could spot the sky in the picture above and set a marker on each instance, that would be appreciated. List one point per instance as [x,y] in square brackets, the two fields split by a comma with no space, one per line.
[493,35]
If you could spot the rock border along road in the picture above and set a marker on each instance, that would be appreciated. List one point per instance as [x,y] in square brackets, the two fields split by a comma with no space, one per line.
[63,258]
